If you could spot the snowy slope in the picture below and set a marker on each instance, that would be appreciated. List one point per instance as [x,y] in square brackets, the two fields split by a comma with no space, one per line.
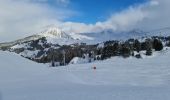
[114,79]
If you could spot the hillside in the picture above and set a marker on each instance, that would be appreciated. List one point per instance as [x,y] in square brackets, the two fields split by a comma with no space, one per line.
[54,46]
[115,78]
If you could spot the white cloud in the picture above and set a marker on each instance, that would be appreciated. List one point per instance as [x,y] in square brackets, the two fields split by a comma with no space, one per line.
[121,21]
[18,18]
[125,20]
[158,15]
[151,15]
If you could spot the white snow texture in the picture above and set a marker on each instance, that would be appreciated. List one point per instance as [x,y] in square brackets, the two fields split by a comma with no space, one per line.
[114,79]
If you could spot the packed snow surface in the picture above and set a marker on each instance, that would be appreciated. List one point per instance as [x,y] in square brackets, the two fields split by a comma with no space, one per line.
[114,79]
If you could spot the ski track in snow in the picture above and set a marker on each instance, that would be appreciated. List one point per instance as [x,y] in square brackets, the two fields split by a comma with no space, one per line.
[114,79]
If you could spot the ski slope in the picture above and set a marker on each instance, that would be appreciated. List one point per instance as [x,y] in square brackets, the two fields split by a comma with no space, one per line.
[114,79]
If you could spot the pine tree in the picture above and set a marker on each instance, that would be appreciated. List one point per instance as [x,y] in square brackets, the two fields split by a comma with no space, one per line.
[148,47]
[157,45]
[126,52]
[137,45]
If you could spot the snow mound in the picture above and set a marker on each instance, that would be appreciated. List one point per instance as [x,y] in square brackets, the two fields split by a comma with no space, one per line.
[77,60]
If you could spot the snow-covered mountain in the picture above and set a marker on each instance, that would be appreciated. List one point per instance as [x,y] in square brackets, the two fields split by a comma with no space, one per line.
[160,32]
[54,32]
[41,46]
[107,35]
[53,35]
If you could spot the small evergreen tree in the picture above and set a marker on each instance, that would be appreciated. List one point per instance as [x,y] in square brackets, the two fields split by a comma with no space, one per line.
[148,47]
[168,44]
[149,52]
[107,52]
[157,45]
[126,52]
[137,45]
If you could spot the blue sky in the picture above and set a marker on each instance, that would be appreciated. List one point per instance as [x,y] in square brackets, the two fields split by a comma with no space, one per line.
[100,10]
[91,11]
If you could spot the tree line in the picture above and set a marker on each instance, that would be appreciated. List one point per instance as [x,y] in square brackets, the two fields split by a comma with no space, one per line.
[61,55]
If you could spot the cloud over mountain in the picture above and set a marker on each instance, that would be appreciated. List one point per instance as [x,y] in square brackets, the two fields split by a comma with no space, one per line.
[147,16]
[19,17]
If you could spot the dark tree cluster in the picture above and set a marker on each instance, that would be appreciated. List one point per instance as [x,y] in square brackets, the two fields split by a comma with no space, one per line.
[127,48]
[157,45]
